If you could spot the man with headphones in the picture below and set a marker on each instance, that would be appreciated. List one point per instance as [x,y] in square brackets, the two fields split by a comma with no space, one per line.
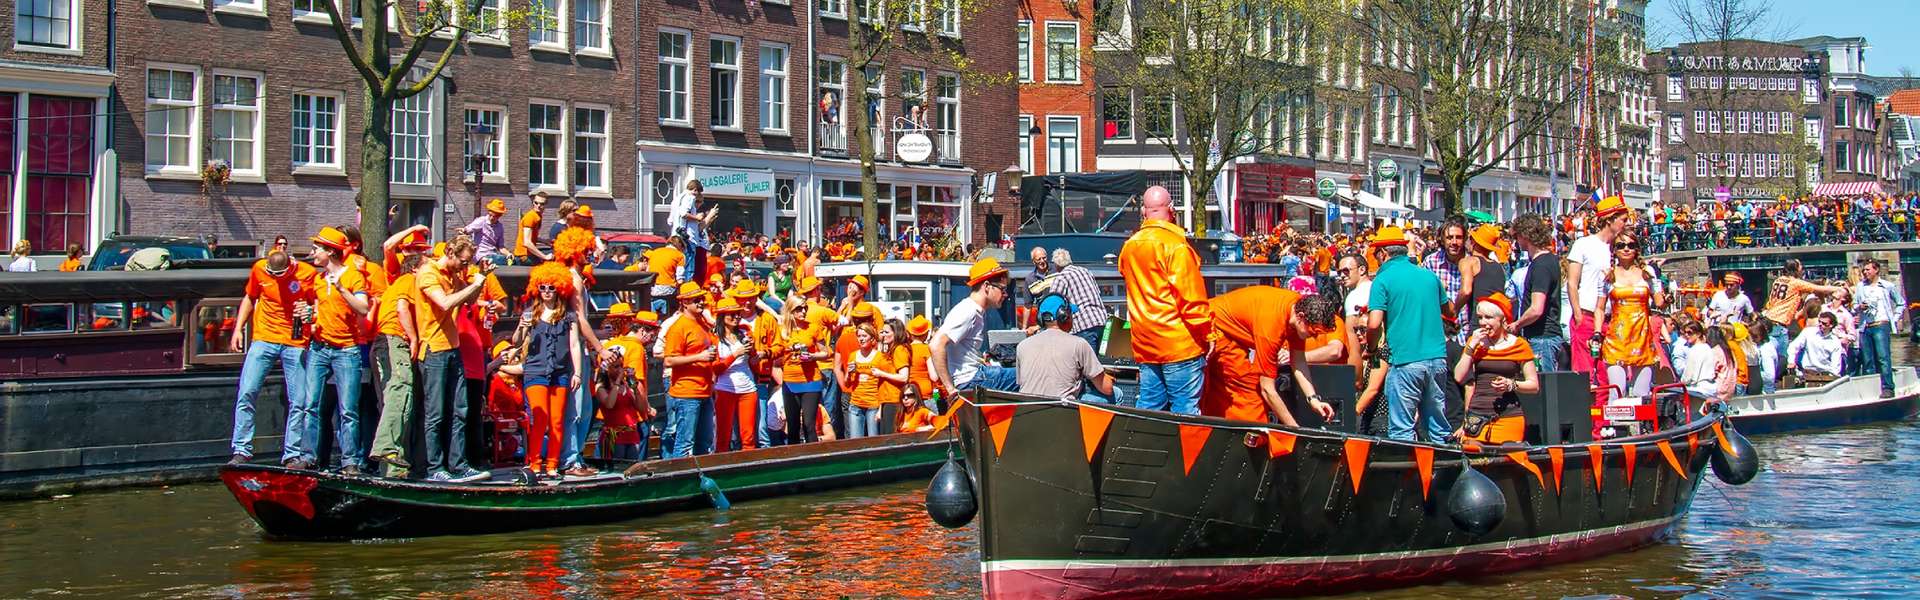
[1058,364]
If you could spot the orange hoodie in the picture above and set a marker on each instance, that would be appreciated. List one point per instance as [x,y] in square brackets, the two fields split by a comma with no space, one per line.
[1166,297]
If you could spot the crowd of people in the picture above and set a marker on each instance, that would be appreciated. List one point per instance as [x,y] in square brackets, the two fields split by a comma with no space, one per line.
[1785,222]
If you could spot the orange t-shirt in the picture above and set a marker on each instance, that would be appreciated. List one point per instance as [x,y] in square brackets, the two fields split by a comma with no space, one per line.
[896,360]
[334,321]
[1340,334]
[1256,317]
[844,348]
[917,356]
[866,393]
[438,329]
[664,262]
[273,299]
[798,371]
[70,265]
[529,229]
[377,280]
[389,313]
[688,337]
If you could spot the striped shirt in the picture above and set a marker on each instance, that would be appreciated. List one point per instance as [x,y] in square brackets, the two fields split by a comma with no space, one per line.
[1075,283]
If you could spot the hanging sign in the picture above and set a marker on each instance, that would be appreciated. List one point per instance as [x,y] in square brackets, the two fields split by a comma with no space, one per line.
[913,147]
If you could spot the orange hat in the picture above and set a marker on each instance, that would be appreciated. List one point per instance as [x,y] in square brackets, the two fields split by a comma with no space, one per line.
[746,290]
[1609,206]
[1486,236]
[584,212]
[497,206]
[620,310]
[415,241]
[716,279]
[863,310]
[690,291]
[984,270]
[1501,301]
[498,347]
[332,238]
[1735,279]
[808,285]
[1389,236]
[728,304]
[861,280]
[919,325]
[439,249]
[646,318]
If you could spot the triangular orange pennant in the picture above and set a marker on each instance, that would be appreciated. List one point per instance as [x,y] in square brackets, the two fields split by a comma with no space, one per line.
[942,420]
[1357,461]
[1633,453]
[1520,458]
[1192,439]
[1558,457]
[1279,443]
[1598,456]
[1093,428]
[1666,449]
[1720,434]
[999,418]
[1693,443]
[1423,456]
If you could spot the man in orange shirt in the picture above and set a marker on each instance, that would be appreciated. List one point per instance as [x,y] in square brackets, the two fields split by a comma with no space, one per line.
[665,262]
[393,367]
[1789,292]
[1167,301]
[690,350]
[525,250]
[278,295]
[1256,320]
[341,303]
[445,286]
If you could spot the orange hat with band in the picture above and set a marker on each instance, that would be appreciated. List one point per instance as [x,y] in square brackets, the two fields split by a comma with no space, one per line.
[808,285]
[729,305]
[584,212]
[497,206]
[985,270]
[646,318]
[691,291]
[620,310]
[863,310]
[1487,237]
[1501,301]
[861,280]
[919,325]
[1610,206]
[332,238]
[746,289]
[1389,236]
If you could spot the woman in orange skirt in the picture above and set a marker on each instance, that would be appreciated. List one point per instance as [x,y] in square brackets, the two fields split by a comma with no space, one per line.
[1496,367]
[1632,294]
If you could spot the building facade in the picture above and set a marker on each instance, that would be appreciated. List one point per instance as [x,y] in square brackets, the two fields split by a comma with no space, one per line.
[1059,129]
[56,82]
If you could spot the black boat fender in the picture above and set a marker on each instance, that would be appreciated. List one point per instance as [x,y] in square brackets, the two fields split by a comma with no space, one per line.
[1736,462]
[950,498]
[1476,505]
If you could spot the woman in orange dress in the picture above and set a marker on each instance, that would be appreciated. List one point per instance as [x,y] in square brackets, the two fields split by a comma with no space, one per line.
[1632,294]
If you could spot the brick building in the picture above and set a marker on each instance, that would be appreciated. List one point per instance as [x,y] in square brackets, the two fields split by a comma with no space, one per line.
[55,82]
[1058,125]
[265,87]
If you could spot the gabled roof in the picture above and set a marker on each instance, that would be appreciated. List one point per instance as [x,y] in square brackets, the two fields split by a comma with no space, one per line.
[1905,102]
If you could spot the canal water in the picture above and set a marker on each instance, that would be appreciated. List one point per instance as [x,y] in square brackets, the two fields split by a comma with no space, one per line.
[1831,515]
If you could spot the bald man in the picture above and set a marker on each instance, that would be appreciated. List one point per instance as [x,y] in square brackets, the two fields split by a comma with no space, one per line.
[1167,302]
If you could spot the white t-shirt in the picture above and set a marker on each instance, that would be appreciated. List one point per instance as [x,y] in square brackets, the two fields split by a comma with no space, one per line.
[738,378]
[1595,256]
[1356,301]
[1722,309]
[23,264]
[682,205]
[966,326]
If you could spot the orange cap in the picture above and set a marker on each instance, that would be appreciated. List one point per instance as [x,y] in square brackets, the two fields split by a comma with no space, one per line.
[497,206]
[691,290]
[1609,206]
[646,318]
[808,285]
[1389,236]
[861,280]
[919,325]
[1501,301]
[584,212]
[984,270]
[620,310]
[332,238]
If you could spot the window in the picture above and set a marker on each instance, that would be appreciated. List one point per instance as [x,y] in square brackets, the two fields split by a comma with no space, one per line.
[723,83]
[1702,166]
[45,24]
[236,122]
[1810,90]
[1743,121]
[244,6]
[876,79]
[1677,173]
[872,12]
[946,17]
[543,25]
[1773,122]
[1773,164]
[1699,121]
[173,116]
[1713,121]
[661,184]
[1063,145]
[673,82]
[1746,165]
[1813,130]
[1676,129]
[545,125]
[1842,157]
[493,24]
[831,72]
[913,95]
[833,8]
[413,161]
[1840,119]
[316,131]
[946,115]
[59,174]
[1026,144]
[773,88]
[1116,112]
[1023,33]
[590,26]
[492,119]
[1156,118]
[1063,52]
[590,149]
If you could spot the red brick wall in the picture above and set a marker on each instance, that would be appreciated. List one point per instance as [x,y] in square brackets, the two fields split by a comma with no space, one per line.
[1040,99]
[93,38]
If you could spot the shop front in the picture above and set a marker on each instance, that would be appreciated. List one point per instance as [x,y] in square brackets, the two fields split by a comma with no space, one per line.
[1262,200]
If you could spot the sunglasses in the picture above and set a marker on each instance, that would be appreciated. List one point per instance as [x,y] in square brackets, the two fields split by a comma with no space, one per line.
[1626,246]
[547,288]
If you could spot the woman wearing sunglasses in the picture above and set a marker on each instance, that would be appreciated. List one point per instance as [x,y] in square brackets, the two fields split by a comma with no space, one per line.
[1631,294]
[551,368]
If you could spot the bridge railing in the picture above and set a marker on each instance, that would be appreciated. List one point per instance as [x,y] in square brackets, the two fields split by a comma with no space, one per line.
[1769,232]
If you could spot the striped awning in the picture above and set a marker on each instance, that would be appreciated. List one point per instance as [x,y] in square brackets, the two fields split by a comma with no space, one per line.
[1849,188]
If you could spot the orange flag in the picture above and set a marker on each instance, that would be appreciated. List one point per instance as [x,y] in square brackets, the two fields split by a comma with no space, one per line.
[1279,443]
[1632,454]
[1519,457]
[1693,443]
[941,420]
[1720,434]
[1666,449]
[1093,427]
[999,418]
[1598,456]
[1558,456]
[1357,461]
[1423,456]
[1192,439]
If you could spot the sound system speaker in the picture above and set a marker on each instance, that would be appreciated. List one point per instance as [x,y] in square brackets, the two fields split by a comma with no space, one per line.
[1565,408]
[1335,385]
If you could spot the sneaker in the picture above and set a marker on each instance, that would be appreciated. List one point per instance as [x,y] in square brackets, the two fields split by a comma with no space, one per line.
[1886,394]
[298,464]
[350,471]
[440,477]
[391,458]
[552,474]
[239,459]
[471,474]
[582,471]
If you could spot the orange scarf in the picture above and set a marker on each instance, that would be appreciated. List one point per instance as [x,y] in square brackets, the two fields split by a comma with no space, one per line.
[1519,351]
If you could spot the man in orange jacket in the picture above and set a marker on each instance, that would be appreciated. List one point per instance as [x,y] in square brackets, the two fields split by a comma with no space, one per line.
[1167,301]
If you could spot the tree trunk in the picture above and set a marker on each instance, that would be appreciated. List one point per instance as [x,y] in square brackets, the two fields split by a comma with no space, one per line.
[376,152]
[1456,180]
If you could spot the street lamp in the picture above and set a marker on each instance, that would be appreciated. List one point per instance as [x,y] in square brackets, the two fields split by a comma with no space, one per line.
[479,140]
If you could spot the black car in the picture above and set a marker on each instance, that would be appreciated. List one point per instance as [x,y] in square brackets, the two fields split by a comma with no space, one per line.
[114,251]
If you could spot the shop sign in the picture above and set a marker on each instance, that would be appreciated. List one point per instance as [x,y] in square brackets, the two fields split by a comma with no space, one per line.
[734,182]
[914,147]
[1328,187]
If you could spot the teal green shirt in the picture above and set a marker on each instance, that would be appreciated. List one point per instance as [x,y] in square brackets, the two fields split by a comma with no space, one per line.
[1411,297]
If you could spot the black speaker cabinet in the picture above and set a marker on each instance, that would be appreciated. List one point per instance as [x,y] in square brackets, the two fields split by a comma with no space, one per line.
[1335,385]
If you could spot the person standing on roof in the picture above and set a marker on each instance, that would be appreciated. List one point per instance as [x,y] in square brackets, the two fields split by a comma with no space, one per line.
[1167,300]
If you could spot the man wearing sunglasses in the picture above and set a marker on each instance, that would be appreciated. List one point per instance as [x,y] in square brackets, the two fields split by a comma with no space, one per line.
[957,363]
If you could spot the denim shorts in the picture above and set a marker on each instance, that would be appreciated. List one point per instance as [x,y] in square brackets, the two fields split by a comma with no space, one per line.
[554,379]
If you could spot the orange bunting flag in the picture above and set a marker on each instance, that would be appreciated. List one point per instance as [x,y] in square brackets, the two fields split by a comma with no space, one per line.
[999,419]
[1693,443]
[1558,457]
[1519,457]
[1666,449]
[1093,427]
[1192,439]
[1720,434]
[1357,461]
[1279,443]
[1632,453]
[942,420]
[1423,456]
[1598,456]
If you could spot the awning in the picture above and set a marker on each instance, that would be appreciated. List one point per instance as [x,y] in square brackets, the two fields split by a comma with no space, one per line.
[1850,188]
[1307,201]
[1379,206]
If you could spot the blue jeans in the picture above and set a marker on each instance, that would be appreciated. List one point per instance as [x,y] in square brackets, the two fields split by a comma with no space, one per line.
[1876,353]
[1172,387]
[253,374]
[692,424]
[1547,350]
[343,365]
[1416,386]
[993,377]
[770,436]
[862,422]
[444,380]
[579,421]
[1773,356]
[831,398]
[1091,335]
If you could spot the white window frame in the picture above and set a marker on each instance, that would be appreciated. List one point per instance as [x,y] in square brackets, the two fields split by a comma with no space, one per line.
[605,159]
[916,15]
[1676,174]
[714,67]
[562,147]
[1026,144]
[946,17]
[1023,44]
[1702,166]
[1133,115]
[599,48]
[1676,129]
[776,98]
[941,103]
[872,12]
[499,36]
[76,28]
[432,160]
[250,8]
[839,89]
[562,21]
[1046,50]
[498,150]
[1173,119]
[685,89]
[1676,91]
[1048,132]
[832,9]
[258,172]
[315,17]
[192,169]
[338,137]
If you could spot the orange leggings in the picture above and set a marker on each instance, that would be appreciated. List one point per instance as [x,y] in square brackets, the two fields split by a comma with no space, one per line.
[546,410]
[731,410]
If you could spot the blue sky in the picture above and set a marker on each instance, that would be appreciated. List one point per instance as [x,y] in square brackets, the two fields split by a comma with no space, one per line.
[1888,25]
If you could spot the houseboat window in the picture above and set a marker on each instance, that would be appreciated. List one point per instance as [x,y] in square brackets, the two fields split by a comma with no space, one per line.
[914,296]
[154,315]
[47,318]
[101,316]
[213,322]
[8,319]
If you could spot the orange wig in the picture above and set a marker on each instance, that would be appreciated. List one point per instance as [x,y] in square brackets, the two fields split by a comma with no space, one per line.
[573,245]
[549,273]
